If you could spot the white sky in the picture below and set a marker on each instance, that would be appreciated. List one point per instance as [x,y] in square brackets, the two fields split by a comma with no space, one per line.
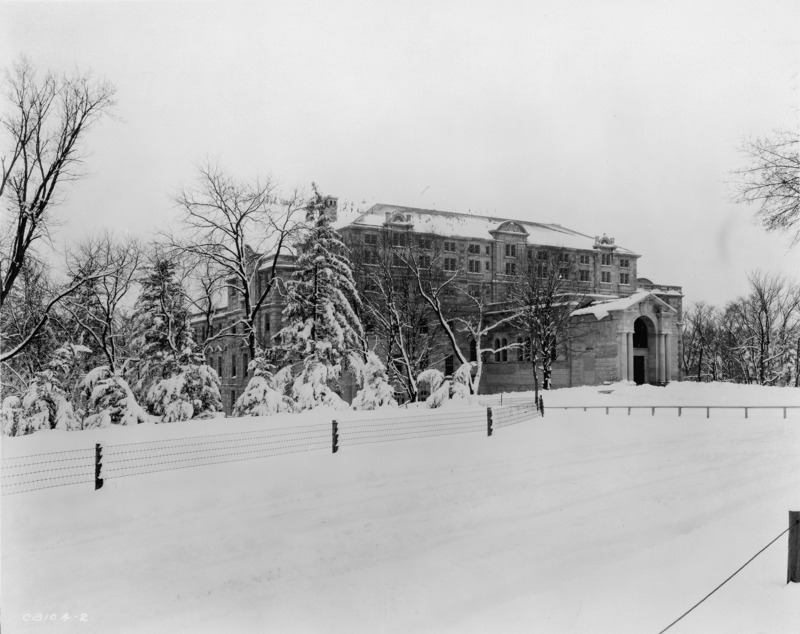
[606,117]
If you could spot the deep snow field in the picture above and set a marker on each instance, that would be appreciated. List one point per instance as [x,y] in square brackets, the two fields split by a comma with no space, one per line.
[575,522]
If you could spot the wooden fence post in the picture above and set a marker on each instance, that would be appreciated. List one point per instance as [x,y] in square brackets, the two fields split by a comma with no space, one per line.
[98,466]
[793,571]
[335,437]
[489,421]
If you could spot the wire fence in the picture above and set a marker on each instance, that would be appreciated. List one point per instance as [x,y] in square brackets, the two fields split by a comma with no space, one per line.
[108,462]
[361,431]
[508,415]
[47,470]
[119,461]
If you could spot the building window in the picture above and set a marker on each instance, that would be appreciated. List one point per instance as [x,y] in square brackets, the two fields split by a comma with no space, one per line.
[606,259]
[474,266]
[487,266]
[424,261]
[450,264]
[584,258]
[233,366]
[448,365]
[488,250]
[473,350]
[371,239]
[233,399]
[219,367]
[624,263]
[474,249]
[245,363]
[505,350]
[423,329]
[520,350]
[624,278]
[563,274]
[496,352]
[584,275]
[563,257]
[450,246]
[606,277]
[266,323]
[541,255]
[397,260]
[398,239]
[511,268]
[541,270]
[425,243]
[511,250]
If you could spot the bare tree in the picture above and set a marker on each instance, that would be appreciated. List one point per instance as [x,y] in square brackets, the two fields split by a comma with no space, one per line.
[97,308]
[244,230]
[395,317]
[771,180]
[48,118]
[763,329]
[699,338]
[543,298]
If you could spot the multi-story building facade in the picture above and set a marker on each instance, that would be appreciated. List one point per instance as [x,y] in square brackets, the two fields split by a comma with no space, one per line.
[629,326]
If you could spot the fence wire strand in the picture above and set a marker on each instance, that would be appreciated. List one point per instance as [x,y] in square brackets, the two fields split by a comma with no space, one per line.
[729,578]
[21,474]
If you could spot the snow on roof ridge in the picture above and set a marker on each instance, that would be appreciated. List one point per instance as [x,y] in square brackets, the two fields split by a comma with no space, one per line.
[601,309]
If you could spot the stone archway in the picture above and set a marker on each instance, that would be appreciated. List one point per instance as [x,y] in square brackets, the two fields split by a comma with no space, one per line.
[644,351]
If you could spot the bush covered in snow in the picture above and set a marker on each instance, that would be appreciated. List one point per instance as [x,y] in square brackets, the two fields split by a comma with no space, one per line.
[443,390]
[13,423]
[310,388]
[265,394]
[371,378]
[110,400]
[45,404]
[192,393]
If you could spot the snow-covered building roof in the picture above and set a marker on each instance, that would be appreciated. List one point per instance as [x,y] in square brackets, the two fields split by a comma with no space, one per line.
[450,223]
[601,309]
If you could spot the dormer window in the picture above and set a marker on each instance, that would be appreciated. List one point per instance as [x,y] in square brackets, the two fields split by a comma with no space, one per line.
[605,259]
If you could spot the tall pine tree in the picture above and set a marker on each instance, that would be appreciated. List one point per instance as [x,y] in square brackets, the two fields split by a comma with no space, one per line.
[171,373]
[321,310]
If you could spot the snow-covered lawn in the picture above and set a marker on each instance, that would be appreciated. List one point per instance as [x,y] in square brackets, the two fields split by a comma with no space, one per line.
[578,522]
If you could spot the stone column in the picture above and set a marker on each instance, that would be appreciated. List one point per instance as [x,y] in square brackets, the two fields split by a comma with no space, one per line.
[667,364]
[629,337]
[622,355]
[657,368]
[661,358]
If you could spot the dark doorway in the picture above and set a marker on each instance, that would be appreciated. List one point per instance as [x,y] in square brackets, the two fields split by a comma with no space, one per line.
[639,333]
[638,370]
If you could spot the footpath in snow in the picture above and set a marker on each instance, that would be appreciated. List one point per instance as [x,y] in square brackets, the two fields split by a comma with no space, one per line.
[577,522]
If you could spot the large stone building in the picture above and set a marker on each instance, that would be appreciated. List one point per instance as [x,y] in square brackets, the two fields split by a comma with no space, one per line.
[629,327]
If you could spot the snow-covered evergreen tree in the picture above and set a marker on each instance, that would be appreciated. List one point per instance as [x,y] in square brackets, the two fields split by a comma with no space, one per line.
[45,404]
[110,400]
[322,323]
[191,393]
[372,379]
[266,392]
[310,389]
[164,336]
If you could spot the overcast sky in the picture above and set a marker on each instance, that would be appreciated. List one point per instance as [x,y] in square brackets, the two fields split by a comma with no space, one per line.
[606,117]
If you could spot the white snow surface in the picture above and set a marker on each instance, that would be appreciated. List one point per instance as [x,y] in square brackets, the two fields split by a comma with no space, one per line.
[601,309]
[575,522]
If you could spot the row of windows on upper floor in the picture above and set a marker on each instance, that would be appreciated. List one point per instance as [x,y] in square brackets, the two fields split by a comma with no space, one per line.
[510,249]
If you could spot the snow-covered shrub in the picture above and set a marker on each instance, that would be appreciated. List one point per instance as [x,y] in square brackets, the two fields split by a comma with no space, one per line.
[45,404]
[192,393]
[265,394]
[443,391]
[13,423]
[371,378]
[110,400]
[310,388]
